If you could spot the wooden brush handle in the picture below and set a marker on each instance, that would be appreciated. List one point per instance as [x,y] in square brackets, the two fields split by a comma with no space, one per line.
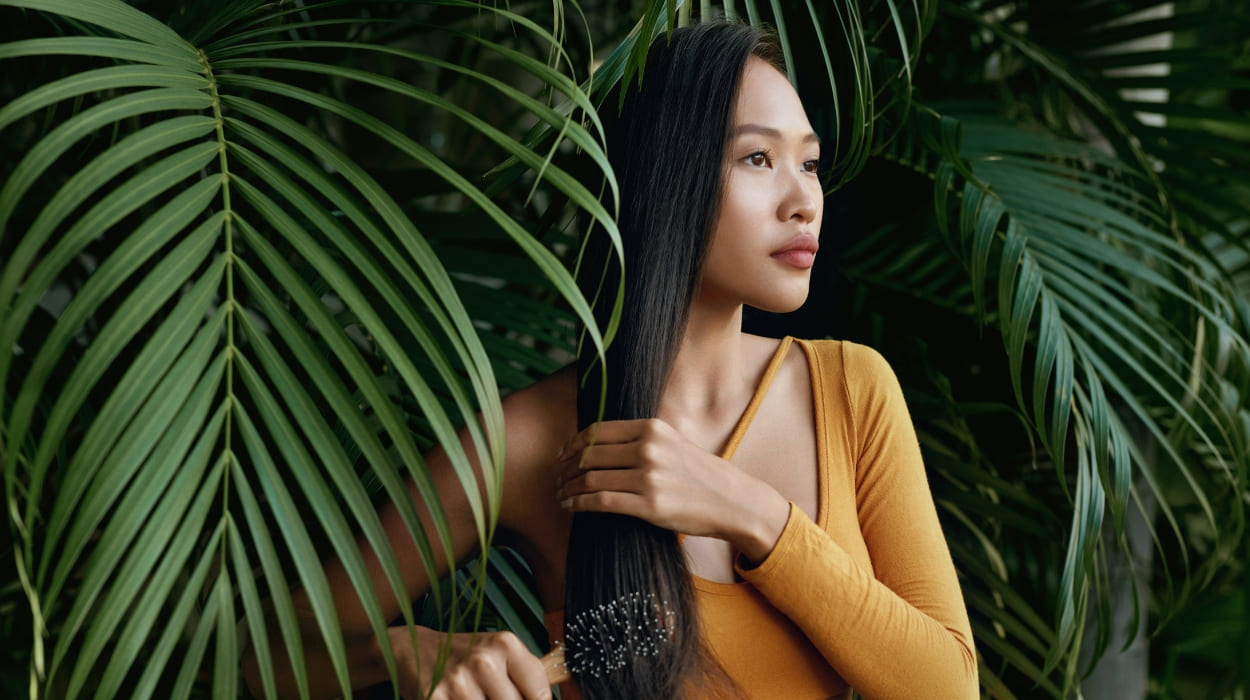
[553,662]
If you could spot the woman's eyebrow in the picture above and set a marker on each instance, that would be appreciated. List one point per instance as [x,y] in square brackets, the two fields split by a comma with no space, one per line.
[769,132]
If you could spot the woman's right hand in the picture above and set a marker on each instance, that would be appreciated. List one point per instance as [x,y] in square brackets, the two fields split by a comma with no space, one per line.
[494,665]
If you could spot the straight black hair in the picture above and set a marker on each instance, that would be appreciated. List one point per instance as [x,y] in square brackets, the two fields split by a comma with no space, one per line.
[667,148]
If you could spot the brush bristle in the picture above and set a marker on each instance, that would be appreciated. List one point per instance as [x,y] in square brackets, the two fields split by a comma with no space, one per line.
[605,638]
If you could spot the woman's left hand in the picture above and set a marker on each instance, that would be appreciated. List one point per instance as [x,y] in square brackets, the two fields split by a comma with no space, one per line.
[646,469]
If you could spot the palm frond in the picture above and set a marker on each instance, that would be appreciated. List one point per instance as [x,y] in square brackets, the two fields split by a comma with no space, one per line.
[204,349]
[1101,313]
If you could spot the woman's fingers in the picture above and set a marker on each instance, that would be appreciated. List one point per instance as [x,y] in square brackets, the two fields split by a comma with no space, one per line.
[599,485]
[495,682]
[606,433]
[498,667]
[646,469]
[459,683]
[634,504]
[529,675]
[524,675]
[603,457]
[617,471]
[626,480]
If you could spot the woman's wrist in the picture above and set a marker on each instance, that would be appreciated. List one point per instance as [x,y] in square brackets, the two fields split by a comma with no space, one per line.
[412,649]
[374,669]
[762,523]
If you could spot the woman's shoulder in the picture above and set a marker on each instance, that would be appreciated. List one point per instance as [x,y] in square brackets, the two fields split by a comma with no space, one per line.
[844,371]
[538,420]
[854,358]
[542,413]
[559,385]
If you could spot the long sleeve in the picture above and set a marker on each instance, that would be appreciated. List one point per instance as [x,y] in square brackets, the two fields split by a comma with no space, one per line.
[898,628]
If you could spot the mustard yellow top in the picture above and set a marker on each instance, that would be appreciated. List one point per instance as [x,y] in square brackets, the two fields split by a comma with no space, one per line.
[864,597]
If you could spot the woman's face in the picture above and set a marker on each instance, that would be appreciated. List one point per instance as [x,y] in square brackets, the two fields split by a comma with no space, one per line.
[765,237]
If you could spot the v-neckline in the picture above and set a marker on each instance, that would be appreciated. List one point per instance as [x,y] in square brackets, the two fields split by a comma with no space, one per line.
[761,390]
[708,585]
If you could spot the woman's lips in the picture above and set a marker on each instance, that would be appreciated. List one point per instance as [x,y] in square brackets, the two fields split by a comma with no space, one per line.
[799,251]
[802,259]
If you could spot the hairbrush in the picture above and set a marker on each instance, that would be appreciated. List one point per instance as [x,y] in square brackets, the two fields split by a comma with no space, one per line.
[608,636]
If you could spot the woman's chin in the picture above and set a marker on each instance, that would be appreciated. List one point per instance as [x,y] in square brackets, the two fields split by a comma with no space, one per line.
[780,303]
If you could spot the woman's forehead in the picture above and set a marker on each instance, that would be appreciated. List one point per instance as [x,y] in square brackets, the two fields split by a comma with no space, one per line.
[768,103]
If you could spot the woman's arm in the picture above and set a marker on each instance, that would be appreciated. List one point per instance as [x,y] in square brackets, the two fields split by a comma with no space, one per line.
[535,423]
[900,630]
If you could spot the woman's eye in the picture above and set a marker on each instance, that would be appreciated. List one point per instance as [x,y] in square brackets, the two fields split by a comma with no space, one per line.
[759,159]
[811,166]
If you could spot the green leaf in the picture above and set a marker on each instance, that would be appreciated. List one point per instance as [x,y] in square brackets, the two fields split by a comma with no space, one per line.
[103,47]
[303,554]
[320,495]
[150,365]
[184,684]
[139,629]
[133,313]
[271,567]
[137,310]
[226,655]
[315,310]
[565,183]
[99,80]
[253,611]
[455,321]
[188,410]
[113,15]
[120,202]
[43,154]
[157,580]
[345,405]
[545,259]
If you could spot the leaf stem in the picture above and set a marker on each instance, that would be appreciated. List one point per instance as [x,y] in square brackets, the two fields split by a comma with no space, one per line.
[228,232]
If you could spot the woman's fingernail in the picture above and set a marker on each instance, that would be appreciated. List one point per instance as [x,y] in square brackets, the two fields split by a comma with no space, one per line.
[566,503]
[560,452]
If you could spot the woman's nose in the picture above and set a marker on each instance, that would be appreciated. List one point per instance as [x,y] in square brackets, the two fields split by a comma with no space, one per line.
[798,200]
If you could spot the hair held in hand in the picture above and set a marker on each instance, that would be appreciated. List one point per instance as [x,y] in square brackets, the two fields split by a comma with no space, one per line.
[667,146]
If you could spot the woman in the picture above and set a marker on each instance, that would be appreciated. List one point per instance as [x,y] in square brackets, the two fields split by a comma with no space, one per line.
[790,469]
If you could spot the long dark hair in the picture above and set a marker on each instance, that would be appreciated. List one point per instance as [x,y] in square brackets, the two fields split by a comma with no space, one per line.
[667,148]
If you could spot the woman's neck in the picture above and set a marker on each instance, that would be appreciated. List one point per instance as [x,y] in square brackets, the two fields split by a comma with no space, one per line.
[709,375]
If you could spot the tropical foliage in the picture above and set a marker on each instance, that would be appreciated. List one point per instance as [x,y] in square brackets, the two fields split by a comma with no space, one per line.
[257,257]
